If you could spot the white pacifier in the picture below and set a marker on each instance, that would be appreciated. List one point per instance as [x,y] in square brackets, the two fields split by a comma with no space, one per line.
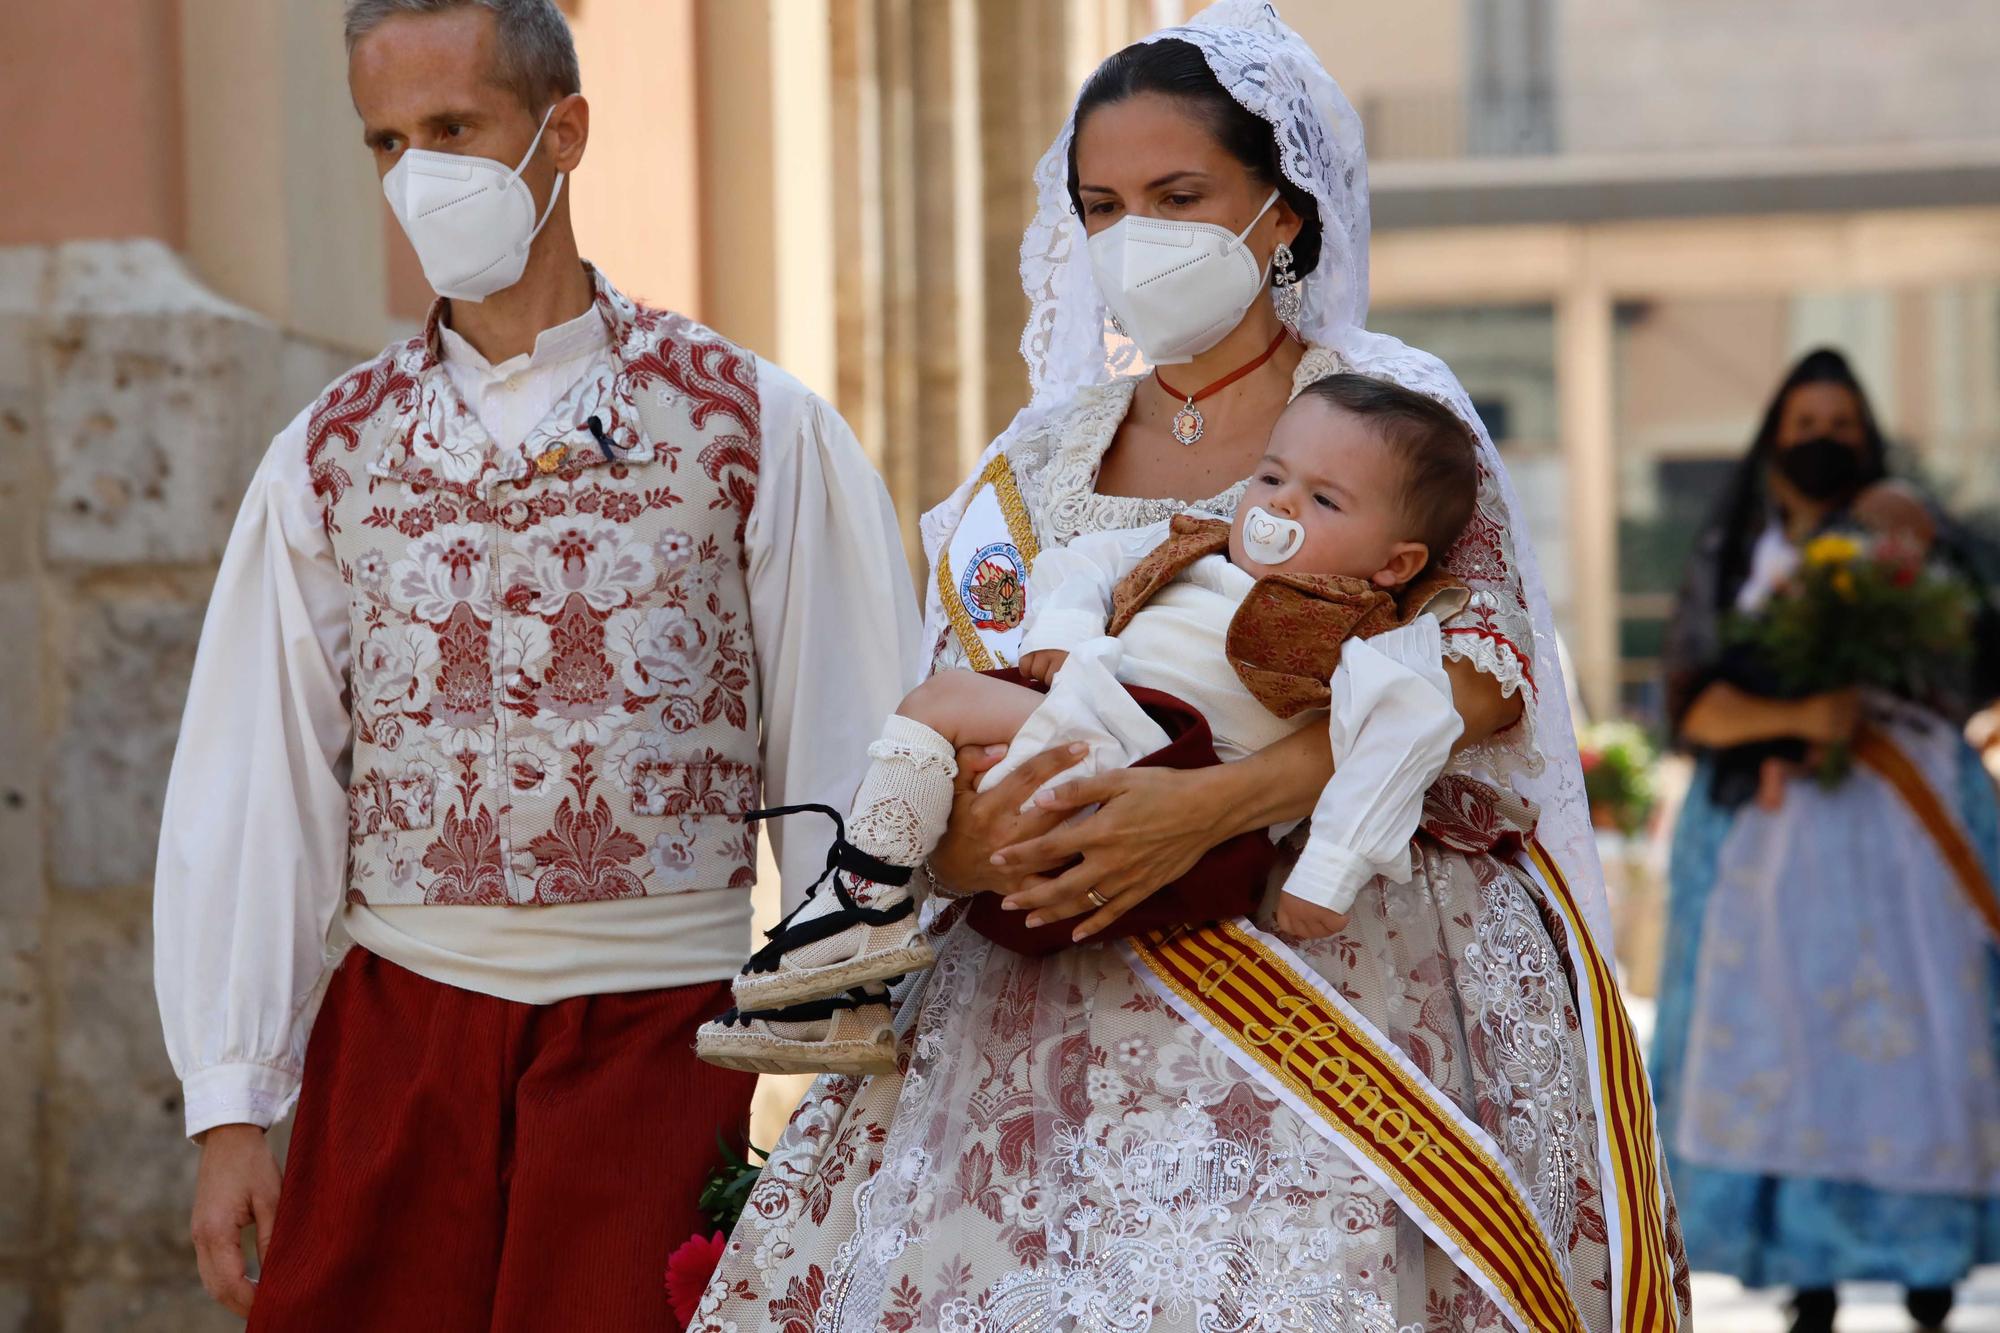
[1270,540]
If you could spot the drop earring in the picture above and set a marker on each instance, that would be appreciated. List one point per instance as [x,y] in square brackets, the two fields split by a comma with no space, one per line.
[1288,296]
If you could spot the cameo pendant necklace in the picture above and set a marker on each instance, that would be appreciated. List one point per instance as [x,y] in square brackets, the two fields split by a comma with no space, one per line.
[1188,424]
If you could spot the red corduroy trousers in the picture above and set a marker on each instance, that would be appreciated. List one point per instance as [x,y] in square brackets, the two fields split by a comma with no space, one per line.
[463,1163]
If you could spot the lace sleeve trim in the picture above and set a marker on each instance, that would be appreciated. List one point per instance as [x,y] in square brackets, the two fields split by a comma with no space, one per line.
[1512,749]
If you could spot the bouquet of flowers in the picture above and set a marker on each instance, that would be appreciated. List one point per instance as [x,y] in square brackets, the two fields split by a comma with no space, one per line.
[1866,613]
[1618,760]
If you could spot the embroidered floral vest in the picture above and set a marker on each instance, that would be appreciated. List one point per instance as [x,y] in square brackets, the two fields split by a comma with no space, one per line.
[552,678]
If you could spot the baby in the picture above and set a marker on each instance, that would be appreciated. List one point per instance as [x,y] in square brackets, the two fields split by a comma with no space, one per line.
[1262,625]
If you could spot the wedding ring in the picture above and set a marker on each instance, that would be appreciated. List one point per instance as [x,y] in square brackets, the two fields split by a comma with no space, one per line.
[1096,897]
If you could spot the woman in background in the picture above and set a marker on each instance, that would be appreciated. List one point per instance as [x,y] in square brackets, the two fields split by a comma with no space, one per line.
[1825,1059]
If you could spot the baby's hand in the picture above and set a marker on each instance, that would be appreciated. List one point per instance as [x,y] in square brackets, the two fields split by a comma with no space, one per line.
[1043,665]
[1895,511]
[1301,920]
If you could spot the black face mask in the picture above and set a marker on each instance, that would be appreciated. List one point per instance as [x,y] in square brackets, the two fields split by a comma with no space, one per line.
[1821,470]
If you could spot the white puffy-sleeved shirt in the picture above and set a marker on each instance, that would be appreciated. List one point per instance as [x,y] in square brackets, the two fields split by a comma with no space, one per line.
[253,844]
[1391,720]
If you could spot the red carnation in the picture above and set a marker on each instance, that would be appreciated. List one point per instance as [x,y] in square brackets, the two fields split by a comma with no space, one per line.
[688,1270]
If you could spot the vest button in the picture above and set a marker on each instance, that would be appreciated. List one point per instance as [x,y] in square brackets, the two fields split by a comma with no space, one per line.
[524,863]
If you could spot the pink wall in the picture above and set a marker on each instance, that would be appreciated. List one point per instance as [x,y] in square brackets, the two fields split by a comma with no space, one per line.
[90,127]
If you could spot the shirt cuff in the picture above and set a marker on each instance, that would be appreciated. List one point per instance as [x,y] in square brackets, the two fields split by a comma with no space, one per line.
[238,1094]
[1060,629]
[1331,876]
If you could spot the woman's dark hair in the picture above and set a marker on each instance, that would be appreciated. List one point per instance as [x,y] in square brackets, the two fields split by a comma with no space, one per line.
[1440,462]
[1746,505]
[1179,70]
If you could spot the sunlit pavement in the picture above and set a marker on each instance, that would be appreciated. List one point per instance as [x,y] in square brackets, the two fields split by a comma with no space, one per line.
[1721,1305]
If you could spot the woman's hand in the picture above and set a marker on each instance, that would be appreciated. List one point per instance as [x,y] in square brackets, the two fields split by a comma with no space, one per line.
[1138,841]
[984,822]
[1830,718]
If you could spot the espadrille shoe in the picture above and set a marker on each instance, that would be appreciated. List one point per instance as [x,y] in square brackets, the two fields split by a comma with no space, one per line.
[845,1034]
[857,926]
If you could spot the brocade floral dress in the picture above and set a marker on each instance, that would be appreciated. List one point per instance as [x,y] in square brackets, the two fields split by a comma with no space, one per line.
[1063,1151]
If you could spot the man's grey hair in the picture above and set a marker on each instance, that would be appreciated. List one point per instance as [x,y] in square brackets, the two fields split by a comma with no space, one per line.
[537,55]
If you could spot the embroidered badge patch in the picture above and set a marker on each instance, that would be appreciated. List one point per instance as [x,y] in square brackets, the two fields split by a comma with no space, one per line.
[982,572]
[994,587]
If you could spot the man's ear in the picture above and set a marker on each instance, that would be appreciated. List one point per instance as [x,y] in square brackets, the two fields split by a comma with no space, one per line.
[1406,560]
[569,131]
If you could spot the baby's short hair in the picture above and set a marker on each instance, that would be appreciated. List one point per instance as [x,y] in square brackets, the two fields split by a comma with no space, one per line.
[1440,461]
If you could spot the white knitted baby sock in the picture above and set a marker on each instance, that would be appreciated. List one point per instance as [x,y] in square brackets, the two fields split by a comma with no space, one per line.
[904,801]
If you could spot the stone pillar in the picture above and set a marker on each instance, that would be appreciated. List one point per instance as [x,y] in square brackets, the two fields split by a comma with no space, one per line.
[636,200]
[1585,391]
[285,216]
[133,406]
[941,112]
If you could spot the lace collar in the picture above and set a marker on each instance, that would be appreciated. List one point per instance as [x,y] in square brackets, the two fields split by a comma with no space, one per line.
[1071,503]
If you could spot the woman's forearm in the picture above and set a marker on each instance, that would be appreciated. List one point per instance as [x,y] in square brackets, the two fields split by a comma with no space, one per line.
[1484,707]
[1723,715]
[1279,783]
[1282,782]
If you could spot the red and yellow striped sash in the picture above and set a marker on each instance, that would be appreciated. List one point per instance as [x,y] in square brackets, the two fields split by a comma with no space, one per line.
[1643,1295]
[1309,1043]
[1878,751]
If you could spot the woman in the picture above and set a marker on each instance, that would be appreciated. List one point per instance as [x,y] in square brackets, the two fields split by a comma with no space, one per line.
[1077,1144]
[1825,1058]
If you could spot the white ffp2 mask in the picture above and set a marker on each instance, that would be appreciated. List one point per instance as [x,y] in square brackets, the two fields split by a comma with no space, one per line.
[470,219]
[1178,288]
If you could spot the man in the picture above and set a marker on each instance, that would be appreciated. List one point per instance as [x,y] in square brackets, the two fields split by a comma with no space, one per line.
[514,620]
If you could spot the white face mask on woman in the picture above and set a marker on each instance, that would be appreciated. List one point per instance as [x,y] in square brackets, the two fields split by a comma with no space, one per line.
[470,219]
[1178,288]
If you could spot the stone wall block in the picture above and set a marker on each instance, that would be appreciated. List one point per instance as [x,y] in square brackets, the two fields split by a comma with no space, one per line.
[127,1167]
[25,273]
[17,1307]
[125,673]
[22,1023]
[180,1307]
[23,890]
[157,396]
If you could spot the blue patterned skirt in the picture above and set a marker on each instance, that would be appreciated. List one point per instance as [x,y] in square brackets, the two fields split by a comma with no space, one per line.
[1768,1230]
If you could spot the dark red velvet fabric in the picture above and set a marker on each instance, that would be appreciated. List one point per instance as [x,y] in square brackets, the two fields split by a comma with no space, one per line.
[1228,882]
[463,1163]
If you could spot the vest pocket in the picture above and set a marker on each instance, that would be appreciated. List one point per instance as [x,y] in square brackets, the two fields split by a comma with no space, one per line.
[656,784]
[683,813]
[378,803]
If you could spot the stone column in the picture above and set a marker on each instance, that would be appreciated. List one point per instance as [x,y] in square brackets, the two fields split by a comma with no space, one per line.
[1585,391]
[940,113]
[133,405]
[285,216]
